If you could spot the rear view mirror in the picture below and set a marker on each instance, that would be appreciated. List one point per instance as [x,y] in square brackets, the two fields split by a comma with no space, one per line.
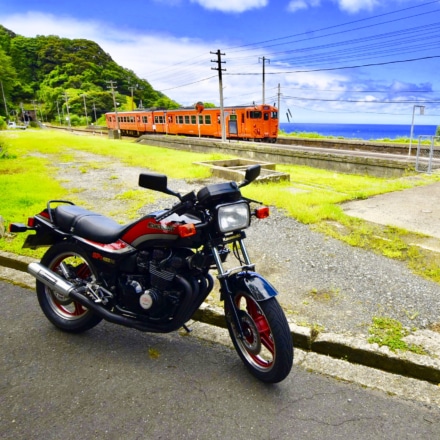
[156,182]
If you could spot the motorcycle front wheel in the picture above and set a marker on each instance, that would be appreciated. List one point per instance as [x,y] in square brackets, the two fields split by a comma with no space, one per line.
[69,261]
[267,347]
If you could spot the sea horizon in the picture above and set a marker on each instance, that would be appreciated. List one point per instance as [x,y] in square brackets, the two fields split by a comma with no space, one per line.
[360,131]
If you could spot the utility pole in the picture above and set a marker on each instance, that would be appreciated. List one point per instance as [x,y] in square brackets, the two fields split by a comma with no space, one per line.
[59,116]
[222,111]
[132,97]
[279,100]
[85,108]
[264,78]
[112,86]
[4,101]
[66,98]
[94,110]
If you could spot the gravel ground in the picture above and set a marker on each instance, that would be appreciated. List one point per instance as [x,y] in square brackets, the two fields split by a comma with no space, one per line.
[322,282]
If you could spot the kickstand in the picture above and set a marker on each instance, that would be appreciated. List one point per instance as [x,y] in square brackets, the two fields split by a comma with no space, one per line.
[188,330]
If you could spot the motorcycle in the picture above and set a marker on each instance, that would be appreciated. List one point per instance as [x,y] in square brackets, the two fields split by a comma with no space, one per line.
[154,273]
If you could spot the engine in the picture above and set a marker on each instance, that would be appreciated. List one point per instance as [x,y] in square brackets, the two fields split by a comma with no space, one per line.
[155,290]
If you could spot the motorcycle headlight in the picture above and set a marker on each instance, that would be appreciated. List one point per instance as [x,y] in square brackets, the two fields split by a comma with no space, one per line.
[233,217]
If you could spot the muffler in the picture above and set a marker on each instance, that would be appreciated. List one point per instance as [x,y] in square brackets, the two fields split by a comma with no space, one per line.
[50,279]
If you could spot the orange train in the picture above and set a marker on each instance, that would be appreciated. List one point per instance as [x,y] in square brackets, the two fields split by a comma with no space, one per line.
[253,123]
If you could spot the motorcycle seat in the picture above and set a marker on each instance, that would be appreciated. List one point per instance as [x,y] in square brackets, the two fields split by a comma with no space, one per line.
[87,224]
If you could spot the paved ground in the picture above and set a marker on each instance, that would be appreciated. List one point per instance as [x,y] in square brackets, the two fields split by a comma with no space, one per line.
[117,383]
[416,209]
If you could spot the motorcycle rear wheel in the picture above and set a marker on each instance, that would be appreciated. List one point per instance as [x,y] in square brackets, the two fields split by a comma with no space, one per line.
[60,310]
[267,347]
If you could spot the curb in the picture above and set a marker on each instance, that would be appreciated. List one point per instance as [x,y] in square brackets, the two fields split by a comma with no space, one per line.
[347,348]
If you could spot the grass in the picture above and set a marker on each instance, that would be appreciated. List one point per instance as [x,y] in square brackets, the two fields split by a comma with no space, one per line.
[313,196]
[390,332]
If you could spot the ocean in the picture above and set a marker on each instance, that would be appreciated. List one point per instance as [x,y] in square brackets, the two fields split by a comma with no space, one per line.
[360,131]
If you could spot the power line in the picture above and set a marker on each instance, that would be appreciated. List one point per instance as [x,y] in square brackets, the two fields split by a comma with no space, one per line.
[340,68]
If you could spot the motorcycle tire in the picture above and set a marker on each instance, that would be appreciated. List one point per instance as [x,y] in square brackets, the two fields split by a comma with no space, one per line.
[60,310]
[267,346]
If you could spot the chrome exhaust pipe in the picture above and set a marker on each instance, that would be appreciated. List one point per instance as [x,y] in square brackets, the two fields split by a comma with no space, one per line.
[50,279]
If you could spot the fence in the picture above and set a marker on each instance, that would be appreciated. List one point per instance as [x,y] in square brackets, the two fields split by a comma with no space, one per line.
[428,154]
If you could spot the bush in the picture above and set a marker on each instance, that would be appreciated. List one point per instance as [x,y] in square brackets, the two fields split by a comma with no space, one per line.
[437,133]
[3,125]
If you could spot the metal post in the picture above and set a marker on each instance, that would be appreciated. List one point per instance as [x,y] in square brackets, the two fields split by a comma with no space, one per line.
[422,112]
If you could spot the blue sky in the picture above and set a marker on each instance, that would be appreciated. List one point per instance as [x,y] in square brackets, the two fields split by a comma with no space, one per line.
[344,61]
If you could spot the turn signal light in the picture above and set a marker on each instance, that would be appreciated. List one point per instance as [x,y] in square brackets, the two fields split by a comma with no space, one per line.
[187,230]
[262,212]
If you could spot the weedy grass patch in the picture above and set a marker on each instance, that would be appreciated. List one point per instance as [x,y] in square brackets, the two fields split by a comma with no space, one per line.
[313,196]
[390,332]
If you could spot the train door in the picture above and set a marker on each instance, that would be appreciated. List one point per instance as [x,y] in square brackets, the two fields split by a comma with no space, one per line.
[266,123]
[232,125]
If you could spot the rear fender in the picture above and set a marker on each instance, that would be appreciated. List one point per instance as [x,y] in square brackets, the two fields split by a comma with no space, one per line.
[254,284]
[46,234]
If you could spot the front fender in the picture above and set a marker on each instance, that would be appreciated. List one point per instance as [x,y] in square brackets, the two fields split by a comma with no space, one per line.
[254,284]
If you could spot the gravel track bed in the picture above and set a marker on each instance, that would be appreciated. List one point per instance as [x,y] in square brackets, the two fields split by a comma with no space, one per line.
[322,282]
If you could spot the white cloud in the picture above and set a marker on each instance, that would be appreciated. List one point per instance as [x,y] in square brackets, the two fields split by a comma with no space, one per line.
[234,6]
[296,5]
[353,6]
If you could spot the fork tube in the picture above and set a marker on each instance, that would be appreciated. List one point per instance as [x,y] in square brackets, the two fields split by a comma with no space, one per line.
[244,252]
[226,292]
[218,261]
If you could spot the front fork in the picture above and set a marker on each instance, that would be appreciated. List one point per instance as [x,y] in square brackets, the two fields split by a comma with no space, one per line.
[225,277]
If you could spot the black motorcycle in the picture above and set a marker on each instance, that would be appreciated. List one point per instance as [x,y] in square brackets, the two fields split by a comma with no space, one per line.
[153,274]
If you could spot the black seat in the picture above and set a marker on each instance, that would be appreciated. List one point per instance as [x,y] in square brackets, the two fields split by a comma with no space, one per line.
[87,224]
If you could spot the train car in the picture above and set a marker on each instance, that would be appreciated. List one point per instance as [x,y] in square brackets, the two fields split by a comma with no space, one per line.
[253,123]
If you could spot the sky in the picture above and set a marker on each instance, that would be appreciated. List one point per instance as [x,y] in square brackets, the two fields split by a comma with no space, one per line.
[335,61]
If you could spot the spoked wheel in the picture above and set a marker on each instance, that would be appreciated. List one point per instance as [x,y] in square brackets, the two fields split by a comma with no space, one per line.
[68,261]
[267,348]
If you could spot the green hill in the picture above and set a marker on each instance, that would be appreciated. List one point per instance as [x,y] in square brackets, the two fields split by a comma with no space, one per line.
[40,74]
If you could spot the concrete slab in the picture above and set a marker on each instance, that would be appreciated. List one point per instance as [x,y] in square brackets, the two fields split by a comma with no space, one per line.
[416,209]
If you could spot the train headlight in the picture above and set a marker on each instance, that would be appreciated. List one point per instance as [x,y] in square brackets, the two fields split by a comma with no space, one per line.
[233,217]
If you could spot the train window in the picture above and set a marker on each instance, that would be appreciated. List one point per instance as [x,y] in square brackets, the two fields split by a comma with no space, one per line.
[170,119]
[266,116]
[233,117]
[186,119]
[200,119]
[180,119]
[131,118]
[208,119]
[145,119]
[274,115]
[193,119]
[255,114]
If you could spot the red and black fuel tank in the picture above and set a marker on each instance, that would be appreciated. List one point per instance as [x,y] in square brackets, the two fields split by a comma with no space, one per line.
[174,231]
